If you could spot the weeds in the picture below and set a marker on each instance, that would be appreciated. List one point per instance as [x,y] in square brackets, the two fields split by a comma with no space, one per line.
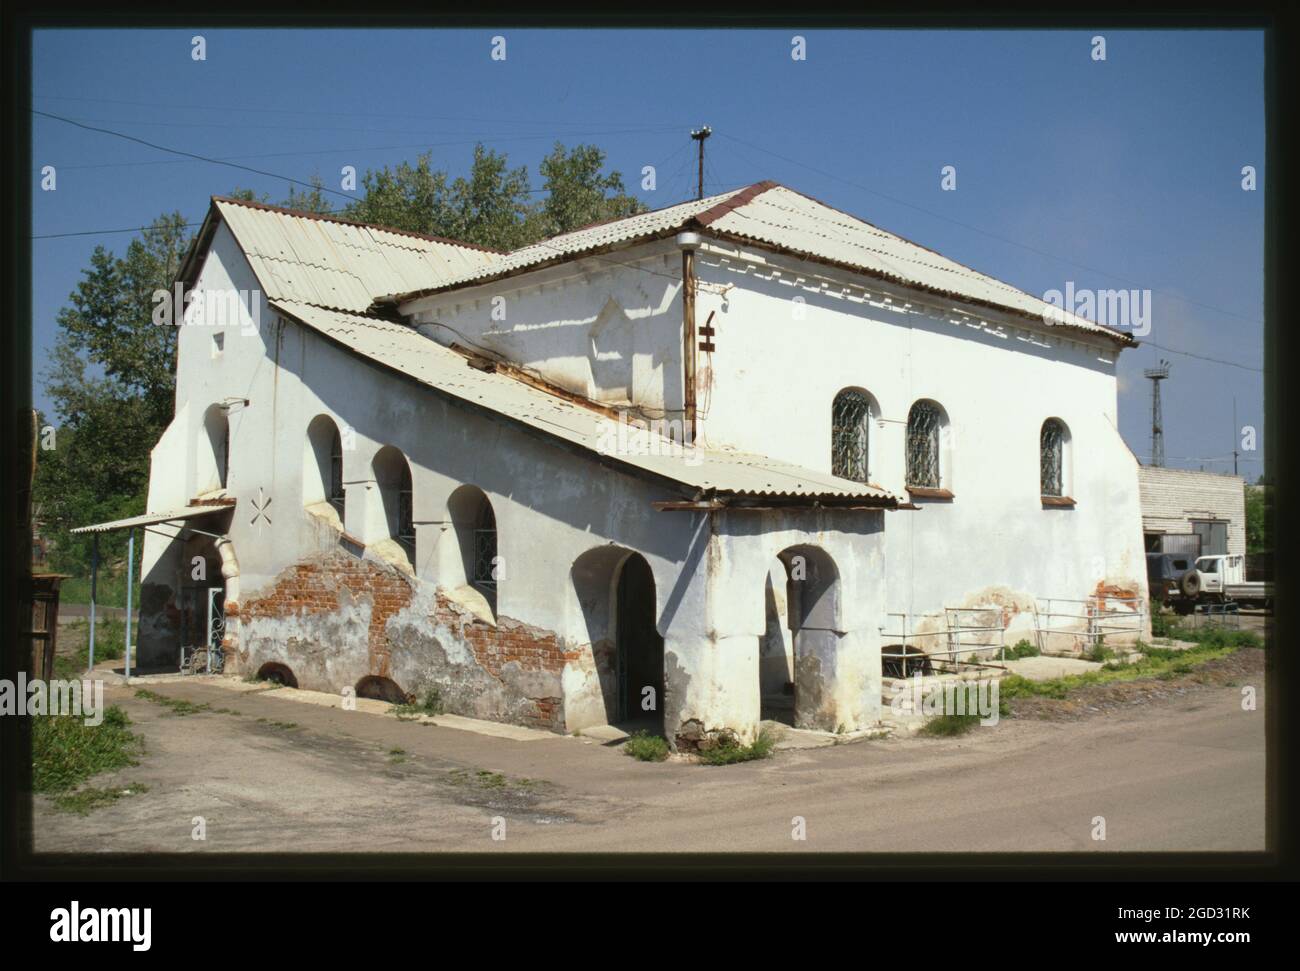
[84,801]
[728,751]
[1021,649]
[66,751]
[177,706]
[645,747]
[431,704]
[946,726]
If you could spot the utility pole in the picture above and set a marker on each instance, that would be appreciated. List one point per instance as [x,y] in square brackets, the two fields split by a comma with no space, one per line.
[700,136]
[1156,375]
[1234,436]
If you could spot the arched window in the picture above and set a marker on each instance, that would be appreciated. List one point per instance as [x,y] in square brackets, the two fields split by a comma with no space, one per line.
[216,426]
[924,427]
[335,493]
[406,511]
[323,465]
[485,546]
[1052,458]
[475,523]
[393,479]
[850,422]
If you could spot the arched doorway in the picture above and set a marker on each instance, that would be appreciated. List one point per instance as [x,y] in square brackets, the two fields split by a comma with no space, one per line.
[638,648]
[805,649]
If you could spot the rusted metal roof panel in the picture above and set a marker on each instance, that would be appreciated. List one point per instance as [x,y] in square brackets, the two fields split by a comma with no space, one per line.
[311,259]
[402,348]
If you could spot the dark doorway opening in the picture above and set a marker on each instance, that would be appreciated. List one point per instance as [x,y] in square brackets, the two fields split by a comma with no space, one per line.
[381,689]
[279,673]
[639,652]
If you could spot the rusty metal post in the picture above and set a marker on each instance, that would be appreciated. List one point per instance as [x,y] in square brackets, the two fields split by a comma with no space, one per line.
[688,242]
[688,343]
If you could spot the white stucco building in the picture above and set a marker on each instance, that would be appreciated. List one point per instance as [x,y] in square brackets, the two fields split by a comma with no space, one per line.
[409,463]
[1201,513]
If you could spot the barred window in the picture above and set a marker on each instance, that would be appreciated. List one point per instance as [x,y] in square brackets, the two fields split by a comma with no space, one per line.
[924,424]
[406,511]
[485,546]
[335,495]
[1052,457]
[850,420]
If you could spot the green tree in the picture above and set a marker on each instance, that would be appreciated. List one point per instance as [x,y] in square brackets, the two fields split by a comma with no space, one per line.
[309,200]
[1257,513]
[111,379]
[488,208]
[579,192]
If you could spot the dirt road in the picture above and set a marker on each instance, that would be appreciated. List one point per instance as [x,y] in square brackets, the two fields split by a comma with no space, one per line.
[1183,770]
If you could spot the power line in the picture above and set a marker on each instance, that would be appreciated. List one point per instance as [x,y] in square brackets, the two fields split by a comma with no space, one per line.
[201,158]
[336,114]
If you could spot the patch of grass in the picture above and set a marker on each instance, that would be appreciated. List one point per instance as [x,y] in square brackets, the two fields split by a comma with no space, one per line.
[1022,648]
[396,755]
[177,706]
[84,801]
[1163,663]
[110,645]
[729,751]
[1099,653]
[66,751]
[645,747]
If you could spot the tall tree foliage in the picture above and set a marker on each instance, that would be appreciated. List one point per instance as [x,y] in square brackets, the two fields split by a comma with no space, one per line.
[111,378]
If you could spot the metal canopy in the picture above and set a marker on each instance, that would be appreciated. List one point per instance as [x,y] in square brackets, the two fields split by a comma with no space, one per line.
[154,518]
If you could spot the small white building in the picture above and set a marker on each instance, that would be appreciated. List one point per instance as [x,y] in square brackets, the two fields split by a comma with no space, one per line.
[689,465]
[1199,513]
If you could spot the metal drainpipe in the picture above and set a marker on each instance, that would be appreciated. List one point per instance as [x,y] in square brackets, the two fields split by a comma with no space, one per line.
[688,243]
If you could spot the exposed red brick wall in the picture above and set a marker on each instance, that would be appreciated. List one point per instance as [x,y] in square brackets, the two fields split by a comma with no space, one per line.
[314,586]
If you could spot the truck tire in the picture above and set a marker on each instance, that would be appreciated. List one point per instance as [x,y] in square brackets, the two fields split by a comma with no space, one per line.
[1190,584]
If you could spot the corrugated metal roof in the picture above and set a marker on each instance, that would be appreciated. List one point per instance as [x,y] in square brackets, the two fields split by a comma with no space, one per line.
[334,263]
[792,221]
[403,349]
[587,239]
[155,518]
[780,218]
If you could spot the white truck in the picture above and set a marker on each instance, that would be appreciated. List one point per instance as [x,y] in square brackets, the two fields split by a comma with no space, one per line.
[1223,579]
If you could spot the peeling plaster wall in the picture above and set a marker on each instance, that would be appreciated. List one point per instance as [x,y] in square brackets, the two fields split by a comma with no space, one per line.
[552,507]
[607,328]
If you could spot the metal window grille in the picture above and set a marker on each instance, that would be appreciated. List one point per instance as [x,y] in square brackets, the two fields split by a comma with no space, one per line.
[850,415]
[924,422]
[336,473]
[485,547]
[1051,452]
[406,512]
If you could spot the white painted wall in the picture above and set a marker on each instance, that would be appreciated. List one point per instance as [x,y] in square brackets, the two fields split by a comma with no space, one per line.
[779,364]
[1173,498]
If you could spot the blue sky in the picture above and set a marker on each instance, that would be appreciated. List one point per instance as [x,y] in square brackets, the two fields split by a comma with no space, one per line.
[1122,173]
